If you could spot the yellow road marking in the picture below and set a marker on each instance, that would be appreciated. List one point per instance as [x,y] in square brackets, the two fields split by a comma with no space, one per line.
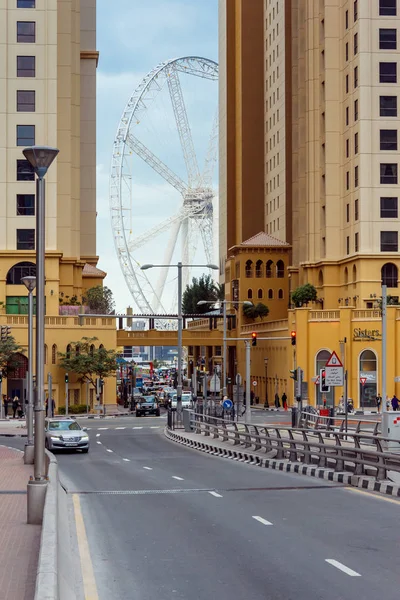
[371,495]
[89,581]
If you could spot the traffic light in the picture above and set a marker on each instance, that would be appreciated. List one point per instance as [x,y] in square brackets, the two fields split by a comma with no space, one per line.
[293,336]
[322,385]
[254,339]
[66,377]
[293,374]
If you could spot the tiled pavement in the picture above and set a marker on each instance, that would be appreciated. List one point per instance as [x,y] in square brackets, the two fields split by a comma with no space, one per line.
[19,542]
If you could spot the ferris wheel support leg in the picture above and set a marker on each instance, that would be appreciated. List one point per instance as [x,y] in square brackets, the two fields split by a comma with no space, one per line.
[166,261]
[185,251]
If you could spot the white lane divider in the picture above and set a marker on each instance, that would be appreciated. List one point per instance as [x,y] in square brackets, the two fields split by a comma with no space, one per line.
[108,450]
[338,565]
[263,521]
[137,427]
[102,428]
[98,442]
[120,428]
[215,494]
[127,459]
[155,427]
[177,478]
[148,468]
[98,434]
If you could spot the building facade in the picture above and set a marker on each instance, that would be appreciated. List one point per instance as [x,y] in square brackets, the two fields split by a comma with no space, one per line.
[48,63]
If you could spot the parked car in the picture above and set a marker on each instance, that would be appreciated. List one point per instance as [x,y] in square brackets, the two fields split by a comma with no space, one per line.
[65,434]
[147,405]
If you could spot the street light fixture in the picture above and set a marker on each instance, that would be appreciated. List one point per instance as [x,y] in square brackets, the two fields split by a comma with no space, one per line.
[40,157]
[224,351]
[30,284]
[179,266]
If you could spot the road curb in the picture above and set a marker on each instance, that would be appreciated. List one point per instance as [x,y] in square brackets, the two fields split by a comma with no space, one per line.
[366,483]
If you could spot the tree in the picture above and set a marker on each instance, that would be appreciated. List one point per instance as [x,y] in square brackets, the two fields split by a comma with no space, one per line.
[203,288]
[8,350]
[303,295]
[100,300]
[253,311]
[87,361]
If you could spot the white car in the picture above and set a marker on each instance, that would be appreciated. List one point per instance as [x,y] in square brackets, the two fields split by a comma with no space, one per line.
[186,400]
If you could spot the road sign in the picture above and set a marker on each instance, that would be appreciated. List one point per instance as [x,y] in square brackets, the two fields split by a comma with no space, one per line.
[227,404]
[254,383]
[334,361]
[238,379]
[334,376]
[363,380]
[316,380]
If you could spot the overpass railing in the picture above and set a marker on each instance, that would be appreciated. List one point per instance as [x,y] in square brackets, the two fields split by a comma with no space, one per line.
[358,453]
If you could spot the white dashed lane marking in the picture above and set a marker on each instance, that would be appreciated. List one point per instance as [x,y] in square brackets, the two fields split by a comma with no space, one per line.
[126,459]
[148,468]
[177,478]
[98,434]
[120,428]
[99,443]
[102,428]
[341,567]
[137,427]
[263,521]
[215,494]
[108,450]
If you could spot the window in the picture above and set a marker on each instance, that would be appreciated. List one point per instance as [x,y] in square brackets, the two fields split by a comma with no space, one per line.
[25,170]
[388,173]
[346,19]
[355,77]
[249,268]
[346,51]
[347,213]
[280,268]
[25,205]
[356,143]
[25,135]
[347,245]
[26,66]
[388,139]
[26,32]
[25,101]
[355,43]
[347,148]
[270,294]
[280,294]
[356,110]
[347,84]
[356,209]
[388,72]
[250,294]
[387,39]
[25,239]
[356,176]
[387,8]
[347,180]
[53,354]
[259,294]
[259,268]
[388,106]
[389,275]
[355,7]
[389,241]
[269,272]
[347,115]
[356,242]
[26,3]
[389,208]
[20,270]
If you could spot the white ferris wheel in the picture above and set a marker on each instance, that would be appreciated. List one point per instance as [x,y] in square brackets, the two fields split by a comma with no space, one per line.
[159,101]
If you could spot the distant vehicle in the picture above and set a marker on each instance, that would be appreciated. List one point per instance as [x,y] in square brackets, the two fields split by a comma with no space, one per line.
[186,400]
[147,405]
[65,434]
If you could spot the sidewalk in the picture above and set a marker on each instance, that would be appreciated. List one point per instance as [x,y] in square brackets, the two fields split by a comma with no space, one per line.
[13,427]
[19,542]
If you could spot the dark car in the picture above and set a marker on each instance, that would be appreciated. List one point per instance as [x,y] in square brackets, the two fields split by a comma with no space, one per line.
[147,405]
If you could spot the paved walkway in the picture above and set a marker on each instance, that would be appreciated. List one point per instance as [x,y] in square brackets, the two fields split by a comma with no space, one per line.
[13,427]
[19,542]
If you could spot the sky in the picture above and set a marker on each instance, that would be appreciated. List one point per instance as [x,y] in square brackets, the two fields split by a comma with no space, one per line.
[133,36]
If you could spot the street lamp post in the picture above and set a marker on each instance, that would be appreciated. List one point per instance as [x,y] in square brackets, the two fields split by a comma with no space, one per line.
[180,324]
[40,157]
[30,284]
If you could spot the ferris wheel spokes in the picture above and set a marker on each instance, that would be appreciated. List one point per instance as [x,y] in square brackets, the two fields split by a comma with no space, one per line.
[169,251]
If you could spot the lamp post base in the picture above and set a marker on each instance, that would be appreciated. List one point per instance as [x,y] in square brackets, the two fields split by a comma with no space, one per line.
[29,452]
[36,497]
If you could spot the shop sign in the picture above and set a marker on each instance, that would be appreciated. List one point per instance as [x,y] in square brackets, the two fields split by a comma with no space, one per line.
[369,376]
[366,335]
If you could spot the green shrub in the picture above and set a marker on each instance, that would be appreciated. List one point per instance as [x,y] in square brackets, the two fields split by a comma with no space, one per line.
[74,409]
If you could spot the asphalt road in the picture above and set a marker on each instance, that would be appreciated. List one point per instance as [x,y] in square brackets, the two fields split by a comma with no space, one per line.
[166,522]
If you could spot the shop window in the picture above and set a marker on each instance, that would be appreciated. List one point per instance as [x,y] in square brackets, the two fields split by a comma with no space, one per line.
[368,371]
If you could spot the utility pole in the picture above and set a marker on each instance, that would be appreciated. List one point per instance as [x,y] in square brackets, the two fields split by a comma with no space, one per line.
[384,324]
[66,394]
[49,396]
[248,383]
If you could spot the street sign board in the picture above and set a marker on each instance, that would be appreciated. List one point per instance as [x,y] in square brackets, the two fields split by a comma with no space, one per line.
[363,380]
[334,361]
[238,396]
[227,404]
[254,383]
[334,376]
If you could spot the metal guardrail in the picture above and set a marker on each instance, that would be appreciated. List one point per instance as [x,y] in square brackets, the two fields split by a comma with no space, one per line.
[311,420]
[352,452]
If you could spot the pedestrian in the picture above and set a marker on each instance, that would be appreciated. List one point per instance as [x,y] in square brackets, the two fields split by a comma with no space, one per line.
[15,406]
[395,402]
[284,400]
[277,403]
[252,395]
[19,410]
[5,402]
[379,402]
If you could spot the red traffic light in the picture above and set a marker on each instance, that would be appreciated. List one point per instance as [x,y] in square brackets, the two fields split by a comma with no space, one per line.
[293,336]
[254,339]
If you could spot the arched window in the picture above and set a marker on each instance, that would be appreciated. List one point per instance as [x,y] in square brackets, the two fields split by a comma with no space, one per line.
[280,269]
[270,294]
[260,294]
[92,349]
[259,268]
[53,354]
[249,268]
[354,275]
[101,347]
[270,269]
[321,359]
[22,269]
[346,276]
[320,278]
[77,350]
[389,274]
[250,294]
[368,372]
[280,294]
[68,352]
[45,354]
